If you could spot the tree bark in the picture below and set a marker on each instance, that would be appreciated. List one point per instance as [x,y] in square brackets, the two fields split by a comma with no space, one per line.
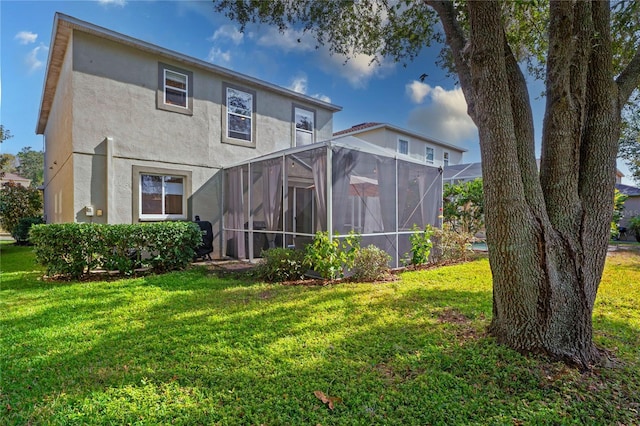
[547,233]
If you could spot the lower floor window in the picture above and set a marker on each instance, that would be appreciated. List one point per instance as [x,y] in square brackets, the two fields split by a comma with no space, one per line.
[161,197]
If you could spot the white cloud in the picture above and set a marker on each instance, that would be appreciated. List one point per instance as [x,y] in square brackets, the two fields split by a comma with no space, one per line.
[417,91]
[357,70]
[113,2]
[228,31]
[299,84]
[323,98]
[36,57]
[217,56]
[444,117]
[26,37]
[288,41]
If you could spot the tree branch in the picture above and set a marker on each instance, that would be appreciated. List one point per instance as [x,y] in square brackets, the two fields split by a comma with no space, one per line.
[457,43]
[629,79]
[570,30]
[524,132]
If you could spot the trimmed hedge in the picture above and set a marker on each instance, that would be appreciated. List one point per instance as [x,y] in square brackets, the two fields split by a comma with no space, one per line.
[76,249]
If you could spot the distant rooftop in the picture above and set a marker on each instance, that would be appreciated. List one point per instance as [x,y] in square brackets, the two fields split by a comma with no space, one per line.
[631,191]
[357,128]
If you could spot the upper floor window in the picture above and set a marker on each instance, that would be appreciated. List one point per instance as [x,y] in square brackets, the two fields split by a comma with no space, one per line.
[162,197]
[403,146]
[240,120]
[175,88]
[429,155]
[445,159]
[175,92]
[304,120]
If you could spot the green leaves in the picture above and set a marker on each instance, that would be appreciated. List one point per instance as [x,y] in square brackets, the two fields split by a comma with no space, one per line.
[16,202]
[420,244]
[76,249]
[330,257]
[463,207]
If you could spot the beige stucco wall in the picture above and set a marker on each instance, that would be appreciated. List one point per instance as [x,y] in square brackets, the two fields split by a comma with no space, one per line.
[58,160]
[388,138]
[104,126]
[116,97]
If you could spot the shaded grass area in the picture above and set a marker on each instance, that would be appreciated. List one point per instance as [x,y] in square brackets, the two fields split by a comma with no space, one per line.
[192,348]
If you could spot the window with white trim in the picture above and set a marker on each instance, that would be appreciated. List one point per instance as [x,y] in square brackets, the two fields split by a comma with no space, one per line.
[445,158]
[162,197]
[175,91]
[429,155]
[175,88]
[239,114]
[403,146]
[304,121]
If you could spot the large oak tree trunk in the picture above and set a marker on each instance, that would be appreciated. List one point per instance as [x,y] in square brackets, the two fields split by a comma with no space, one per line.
[547,234]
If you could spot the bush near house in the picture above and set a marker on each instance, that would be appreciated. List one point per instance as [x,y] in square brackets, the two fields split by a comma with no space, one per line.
[330,257]
[21,231]
[282,264]
[634,226]
[450,245]
[76,249]
[371,263]
[17,202]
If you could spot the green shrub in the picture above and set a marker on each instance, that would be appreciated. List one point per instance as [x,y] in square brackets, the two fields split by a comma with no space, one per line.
[281,264]
[450,245]
[328,257]
[75,249]
[634,225]
[21,231]
[370,264]
[421,244]
[16,202]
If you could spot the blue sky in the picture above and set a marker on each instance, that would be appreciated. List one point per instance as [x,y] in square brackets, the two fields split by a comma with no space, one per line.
[389,92]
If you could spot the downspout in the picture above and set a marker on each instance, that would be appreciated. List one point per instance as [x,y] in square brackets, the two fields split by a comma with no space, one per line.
[108,143]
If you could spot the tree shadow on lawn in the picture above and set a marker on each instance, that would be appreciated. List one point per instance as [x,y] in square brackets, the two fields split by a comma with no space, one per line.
[255,354]
[215,342]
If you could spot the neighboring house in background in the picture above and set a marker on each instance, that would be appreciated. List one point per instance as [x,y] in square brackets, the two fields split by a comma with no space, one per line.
[135,132]
[631,207]
[11,177]
[407,142]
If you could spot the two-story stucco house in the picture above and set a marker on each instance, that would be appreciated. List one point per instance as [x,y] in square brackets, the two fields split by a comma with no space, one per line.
[420,147]
[134,132]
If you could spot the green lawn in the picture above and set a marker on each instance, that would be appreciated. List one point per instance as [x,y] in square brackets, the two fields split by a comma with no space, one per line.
[192,348]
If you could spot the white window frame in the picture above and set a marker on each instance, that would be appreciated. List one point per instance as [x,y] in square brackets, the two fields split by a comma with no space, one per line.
[163,215]
[164,71]
[400,141]
[296,129]
[184,91]
[250,117]
[445,158]
[426,154]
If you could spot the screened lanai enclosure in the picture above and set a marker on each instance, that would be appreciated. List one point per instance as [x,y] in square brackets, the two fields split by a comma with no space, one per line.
[342,185]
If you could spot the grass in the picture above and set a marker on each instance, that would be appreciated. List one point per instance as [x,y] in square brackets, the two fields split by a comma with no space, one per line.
[192,348]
